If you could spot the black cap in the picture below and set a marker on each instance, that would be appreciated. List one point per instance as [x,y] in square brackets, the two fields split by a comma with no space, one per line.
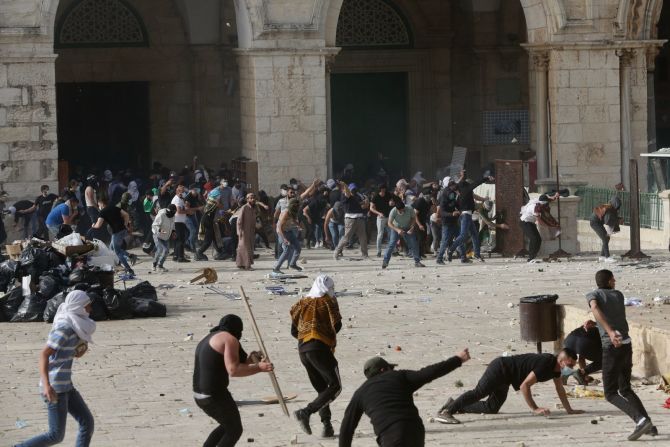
[375,365]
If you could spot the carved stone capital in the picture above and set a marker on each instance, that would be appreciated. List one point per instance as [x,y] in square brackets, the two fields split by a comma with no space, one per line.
[626,56]
[651,54]
[540,60]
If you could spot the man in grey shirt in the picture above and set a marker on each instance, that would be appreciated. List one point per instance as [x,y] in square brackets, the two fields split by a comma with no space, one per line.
[607,305]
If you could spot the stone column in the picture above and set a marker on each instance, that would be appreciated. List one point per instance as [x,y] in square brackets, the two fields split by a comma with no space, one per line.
[540,60]
[652,52]
[626,57]
[284,113]
[28,149]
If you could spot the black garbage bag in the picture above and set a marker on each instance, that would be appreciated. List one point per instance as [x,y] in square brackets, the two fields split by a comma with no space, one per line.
[48,286]
[34,261]
[52,307]
[8,273]
[99,309]
[31,310]
[82,275]
[11,301]
[118,304]
[63,231]
[143,290]
[539,299]
[55,258]
[146,308]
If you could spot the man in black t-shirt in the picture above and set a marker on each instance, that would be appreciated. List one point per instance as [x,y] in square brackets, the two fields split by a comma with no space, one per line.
[355,208]
[43,205]
[387,398]
[119,221]
[380,207]
[23,210]
[520,371]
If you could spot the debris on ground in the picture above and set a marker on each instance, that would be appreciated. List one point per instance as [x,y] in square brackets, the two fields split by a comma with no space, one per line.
[208,274]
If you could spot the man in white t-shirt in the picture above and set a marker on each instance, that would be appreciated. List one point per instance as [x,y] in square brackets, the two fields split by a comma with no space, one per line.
[179,224]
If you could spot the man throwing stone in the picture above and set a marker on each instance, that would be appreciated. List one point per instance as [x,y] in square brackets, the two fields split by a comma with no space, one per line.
[218,357]
[386,397]
[316,321]
[520,371]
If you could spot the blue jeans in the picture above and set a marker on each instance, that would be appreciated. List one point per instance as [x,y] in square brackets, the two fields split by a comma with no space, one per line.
[68,402]
[192,226]
[291,252]
[317,231]
[161,251]
[410,240]
[117,246]
[448,231]
[336,232]
[468,228]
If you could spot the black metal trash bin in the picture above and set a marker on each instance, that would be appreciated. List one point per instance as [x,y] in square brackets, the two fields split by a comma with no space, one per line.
[538,318]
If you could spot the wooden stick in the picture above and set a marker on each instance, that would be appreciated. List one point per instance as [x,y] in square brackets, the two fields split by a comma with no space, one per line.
[261,345]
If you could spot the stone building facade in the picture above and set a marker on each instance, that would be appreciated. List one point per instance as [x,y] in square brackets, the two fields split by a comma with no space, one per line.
[570,82]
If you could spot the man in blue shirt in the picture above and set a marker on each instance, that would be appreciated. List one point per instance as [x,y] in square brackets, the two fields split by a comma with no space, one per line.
[64,213]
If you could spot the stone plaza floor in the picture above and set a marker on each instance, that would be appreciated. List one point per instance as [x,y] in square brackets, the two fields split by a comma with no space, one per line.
[137,376]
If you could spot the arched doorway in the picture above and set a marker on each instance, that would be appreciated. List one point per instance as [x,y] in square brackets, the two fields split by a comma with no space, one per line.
[413,81]
[143,81]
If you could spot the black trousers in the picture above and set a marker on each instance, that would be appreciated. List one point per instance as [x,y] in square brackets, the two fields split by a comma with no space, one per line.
[491,384]
[403,434]
[599,229]
[223,410]
[587,349]
[534,238]
[324,376]
[181,230]
[208,224]
[617,366]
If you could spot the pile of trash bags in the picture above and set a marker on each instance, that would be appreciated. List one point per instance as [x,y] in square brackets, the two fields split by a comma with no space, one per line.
[36,284]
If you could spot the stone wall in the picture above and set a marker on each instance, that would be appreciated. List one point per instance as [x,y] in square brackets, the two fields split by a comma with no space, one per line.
[283,106]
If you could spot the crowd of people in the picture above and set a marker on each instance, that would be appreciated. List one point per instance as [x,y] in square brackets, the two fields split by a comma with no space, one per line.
[198,213]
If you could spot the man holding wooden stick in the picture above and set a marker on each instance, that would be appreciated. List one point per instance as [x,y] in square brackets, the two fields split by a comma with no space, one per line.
[218,357]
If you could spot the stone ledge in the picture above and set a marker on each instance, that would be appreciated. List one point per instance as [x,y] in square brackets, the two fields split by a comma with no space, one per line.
[651,345]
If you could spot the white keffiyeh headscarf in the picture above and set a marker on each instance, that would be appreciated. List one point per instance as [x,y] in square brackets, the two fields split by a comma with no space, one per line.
[323,285]
[73,314]
[445,181]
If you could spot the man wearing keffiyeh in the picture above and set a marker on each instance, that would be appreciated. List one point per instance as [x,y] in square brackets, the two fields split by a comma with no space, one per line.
[316,321]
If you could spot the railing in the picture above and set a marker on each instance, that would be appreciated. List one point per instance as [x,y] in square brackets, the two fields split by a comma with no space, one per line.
[651,206]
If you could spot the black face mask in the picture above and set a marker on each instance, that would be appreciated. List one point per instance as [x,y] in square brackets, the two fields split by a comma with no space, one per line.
[169,213]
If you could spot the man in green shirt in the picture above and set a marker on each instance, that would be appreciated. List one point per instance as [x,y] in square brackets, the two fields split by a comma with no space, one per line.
[402,221]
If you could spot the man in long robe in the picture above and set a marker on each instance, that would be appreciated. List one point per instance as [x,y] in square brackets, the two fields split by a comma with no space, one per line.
[246,233]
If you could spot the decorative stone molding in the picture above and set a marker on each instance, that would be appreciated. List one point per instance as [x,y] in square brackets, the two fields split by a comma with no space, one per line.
[289,15]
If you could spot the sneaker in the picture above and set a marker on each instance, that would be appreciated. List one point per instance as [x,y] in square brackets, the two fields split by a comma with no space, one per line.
[384,265]
[328,431]
[444,416]
[303,419]
[466,261]
[534,261]
[418,264]
[610,260]
[295,267]
[379,254]
[641,428]
[201,257]
[337,256]
[153,268]
[479,259]
[450,256]
[162,269]
[277,272]
[440,262]
[182,260]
